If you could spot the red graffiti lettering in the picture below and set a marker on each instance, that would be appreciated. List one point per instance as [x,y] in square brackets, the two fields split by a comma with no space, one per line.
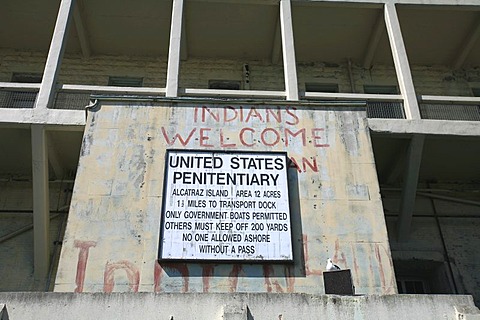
[291,112]
[215,137]
[276,114]
[204,137]
[226,110]
[205,114]
[178,137]
[214,116]
[306,164]
[132,271]
[312,165]
[316,136]
[84,247]
[222,142]
[242,139]
[264,134]
[300,132]
[254,113]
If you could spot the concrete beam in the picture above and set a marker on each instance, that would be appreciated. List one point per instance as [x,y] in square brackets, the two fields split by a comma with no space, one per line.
[373,42]
[288,50]
[55,54]
[467,46]
[81,29]
[41,207]
[407,206]
[430,127]
[174,49]
[51,117]
[400,60]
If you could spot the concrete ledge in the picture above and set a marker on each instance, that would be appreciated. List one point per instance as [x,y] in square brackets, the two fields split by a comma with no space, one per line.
[256,306]
[431,127]
[51,117]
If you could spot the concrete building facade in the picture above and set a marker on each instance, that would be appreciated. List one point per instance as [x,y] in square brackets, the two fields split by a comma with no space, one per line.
[376,104]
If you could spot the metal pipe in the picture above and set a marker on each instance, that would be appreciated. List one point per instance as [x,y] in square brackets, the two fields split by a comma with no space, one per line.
[418,189]
[440,216]
[437,196]
[447,198]
[22,230]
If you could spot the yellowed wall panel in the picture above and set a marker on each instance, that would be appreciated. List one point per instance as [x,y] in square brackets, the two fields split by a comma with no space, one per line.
[111,241]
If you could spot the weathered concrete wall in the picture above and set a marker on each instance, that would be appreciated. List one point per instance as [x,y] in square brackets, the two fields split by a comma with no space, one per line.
[54,306]
[195,73]
[112,234]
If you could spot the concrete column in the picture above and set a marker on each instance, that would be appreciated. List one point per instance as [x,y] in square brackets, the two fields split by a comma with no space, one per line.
[55,54]
[174,49]
[400,60]
[409,191]
[288,48]
[41,212]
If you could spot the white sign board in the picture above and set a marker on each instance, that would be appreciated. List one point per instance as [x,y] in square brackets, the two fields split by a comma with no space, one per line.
[225,206]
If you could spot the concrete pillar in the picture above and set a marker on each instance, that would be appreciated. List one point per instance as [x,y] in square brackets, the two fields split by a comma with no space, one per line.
[174,49]
[55,54]
[409,191]
[41,210]
[288,48]
[400,60]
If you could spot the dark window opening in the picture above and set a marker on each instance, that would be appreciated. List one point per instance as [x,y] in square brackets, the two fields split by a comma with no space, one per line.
[476,92]
[224,84]
[27,77]
[422,276]
[321,87]
[411,286]
[377,89]
[125,82]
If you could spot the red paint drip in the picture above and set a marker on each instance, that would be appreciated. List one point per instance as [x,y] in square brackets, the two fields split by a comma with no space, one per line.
[157,277]
[233,277]
[267,272]
[183,269]
[380,266]
[207,273]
